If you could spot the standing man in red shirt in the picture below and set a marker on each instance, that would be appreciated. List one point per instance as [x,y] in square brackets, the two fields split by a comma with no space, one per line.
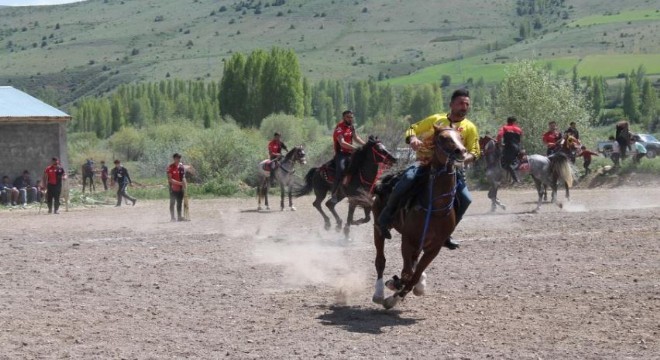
[175,177]
[509,137]
[275,147]
[552,137]
[53,176]
[342,139]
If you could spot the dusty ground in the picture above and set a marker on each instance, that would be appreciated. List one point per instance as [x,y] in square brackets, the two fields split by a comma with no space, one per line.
[582,282]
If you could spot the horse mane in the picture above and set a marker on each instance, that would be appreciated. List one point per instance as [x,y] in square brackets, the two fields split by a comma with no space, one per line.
[359,155]
[289,154]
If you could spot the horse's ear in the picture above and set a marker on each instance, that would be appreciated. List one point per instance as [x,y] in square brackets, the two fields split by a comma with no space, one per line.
[371,138]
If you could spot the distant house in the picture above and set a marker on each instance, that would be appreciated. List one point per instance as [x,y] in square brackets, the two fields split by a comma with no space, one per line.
[31,133]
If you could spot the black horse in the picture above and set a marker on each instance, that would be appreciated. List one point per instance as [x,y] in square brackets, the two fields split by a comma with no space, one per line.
[364,169]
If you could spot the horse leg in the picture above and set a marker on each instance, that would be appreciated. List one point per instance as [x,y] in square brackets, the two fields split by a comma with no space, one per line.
[420,288]
[259,193]
[331,206]
[540,191]
[291,207]
[365,219]
[320,195]
[349,220]
[379,287]
[408,252]
[568,195]
[545,192]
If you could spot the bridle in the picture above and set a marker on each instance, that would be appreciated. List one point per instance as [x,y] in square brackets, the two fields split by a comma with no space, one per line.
[382,160]
[451,156]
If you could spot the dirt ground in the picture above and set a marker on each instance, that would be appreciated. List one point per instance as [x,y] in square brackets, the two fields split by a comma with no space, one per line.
[580,282]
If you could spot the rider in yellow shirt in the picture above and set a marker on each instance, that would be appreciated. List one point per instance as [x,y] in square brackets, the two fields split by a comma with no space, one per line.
[415,136]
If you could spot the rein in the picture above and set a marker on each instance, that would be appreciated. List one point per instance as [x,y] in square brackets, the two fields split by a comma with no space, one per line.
[376,156]
[445,170]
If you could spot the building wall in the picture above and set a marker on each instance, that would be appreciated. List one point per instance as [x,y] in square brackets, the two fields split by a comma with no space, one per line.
[30,146]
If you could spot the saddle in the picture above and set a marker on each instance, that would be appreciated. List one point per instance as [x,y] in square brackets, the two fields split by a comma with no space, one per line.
[408,200]
[328,171]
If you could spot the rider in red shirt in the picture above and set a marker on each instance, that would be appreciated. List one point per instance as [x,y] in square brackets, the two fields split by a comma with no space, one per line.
[275,147]
[510,137]
[342,139]
[552,137]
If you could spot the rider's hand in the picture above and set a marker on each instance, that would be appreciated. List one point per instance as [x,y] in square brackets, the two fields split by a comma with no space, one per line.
[415,143]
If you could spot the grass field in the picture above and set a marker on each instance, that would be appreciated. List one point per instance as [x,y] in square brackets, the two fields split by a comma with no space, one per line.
[621,17]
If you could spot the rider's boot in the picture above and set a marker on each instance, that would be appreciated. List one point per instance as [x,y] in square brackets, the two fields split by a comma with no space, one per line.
[387,216]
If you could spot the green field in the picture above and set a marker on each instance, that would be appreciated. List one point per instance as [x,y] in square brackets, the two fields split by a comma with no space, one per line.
[608,66]
[623,16]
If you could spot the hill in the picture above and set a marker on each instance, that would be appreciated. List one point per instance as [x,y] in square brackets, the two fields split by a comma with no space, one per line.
[68,51]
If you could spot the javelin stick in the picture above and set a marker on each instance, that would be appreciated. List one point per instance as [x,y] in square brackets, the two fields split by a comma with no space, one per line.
[186,204]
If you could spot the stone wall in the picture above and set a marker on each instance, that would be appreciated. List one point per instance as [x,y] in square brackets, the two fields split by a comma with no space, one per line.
[30,146]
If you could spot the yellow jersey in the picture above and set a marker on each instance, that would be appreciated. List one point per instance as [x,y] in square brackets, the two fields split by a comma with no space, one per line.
[423,130]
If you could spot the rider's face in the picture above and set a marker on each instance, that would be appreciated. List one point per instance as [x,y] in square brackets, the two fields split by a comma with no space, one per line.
[460,107]
[348,118]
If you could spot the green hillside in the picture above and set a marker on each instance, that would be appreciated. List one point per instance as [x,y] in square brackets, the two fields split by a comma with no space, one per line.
[91,47]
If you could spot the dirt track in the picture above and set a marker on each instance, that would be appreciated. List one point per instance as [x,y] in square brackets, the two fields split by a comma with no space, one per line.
[578,282]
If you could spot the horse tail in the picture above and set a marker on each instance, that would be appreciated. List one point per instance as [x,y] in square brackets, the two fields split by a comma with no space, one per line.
[309,184]
[363,199]
[562,168]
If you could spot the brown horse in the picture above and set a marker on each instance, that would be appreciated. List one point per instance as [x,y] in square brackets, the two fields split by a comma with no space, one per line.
[426,224]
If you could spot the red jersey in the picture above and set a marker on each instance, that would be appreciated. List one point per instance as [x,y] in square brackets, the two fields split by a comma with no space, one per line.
[586,154]
[178,173]
[551,138]
[54,174]
[274,147]
[513,128]
[343,131]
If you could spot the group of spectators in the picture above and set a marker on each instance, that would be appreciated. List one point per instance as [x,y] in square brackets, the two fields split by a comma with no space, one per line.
[623,141]
[21,191]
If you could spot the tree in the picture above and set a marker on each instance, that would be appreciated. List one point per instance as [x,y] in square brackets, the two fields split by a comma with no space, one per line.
[536,96]
[128,142]
[597,95]
[648,107]
[631,99]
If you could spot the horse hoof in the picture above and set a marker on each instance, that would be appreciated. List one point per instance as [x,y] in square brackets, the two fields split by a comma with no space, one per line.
[267,207]
[378,299]
[503,207]
[391,301]
[293,208]
[259,208]
[420,288]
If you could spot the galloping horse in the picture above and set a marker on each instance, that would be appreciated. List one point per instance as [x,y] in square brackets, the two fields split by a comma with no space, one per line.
[364,169]
[427,222]
[284,170]
[547,171]
[492,156]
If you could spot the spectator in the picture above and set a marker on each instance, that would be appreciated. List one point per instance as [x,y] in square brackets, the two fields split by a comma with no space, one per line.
[9,193]
[121,177]
[616,152]
[551,138]
[104,175]
[641,149]
[176,174]
[586,155]
[623,137]
[41,193]
[88,173]
[27,192]
[53,176]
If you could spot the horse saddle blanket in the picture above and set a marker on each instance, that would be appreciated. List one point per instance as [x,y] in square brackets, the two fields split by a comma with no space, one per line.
[327,171]
[269,165]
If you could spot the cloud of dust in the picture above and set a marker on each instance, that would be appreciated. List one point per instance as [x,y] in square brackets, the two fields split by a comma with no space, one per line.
[310,261]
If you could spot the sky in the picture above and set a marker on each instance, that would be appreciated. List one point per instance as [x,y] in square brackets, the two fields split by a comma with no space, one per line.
[36,2]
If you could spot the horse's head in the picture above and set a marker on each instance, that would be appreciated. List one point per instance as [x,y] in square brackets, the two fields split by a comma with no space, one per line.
[299,155]
[381,154]
[447,145]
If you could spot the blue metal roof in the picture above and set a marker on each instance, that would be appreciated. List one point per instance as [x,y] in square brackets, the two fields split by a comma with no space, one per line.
[15,103]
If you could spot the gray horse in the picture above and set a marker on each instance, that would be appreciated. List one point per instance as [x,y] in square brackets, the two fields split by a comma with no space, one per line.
[548,171]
